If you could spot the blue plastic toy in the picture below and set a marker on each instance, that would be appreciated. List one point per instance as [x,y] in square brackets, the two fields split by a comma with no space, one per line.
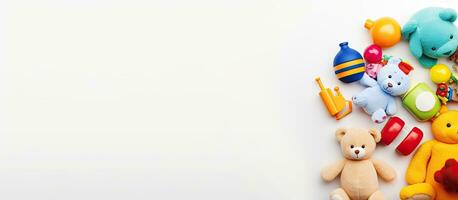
[431,34]
[348,64]
[378,99]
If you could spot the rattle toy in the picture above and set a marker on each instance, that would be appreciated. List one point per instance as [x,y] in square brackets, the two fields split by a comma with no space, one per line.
[348,64]
[385,32]
[334,103]
[378,99]
[373,58]
[358,171]
[430,158]
[373,54]
[431,34]
[421,102]
[448,176]
[391,130]
[447,83]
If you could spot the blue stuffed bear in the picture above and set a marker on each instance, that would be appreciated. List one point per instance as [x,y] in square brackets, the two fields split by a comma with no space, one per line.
[431,34]
[378,99]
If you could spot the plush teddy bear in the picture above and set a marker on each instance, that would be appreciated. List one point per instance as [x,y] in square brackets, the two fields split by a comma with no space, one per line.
[431,34]
[378,99]
[430,158]
[358,172]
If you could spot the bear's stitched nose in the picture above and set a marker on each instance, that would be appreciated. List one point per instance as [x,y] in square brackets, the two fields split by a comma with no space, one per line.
[390,85]
[357,152]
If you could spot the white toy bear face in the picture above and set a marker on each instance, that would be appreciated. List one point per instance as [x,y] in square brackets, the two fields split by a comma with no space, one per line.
[392,79]
[357,144]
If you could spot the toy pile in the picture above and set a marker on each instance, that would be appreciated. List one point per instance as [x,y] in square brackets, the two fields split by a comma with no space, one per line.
[433,171]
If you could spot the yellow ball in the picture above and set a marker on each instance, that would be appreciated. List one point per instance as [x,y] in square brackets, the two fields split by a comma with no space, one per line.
[440,73]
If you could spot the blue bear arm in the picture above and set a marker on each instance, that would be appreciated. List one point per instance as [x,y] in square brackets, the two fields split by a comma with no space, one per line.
[367,81]
[391,107]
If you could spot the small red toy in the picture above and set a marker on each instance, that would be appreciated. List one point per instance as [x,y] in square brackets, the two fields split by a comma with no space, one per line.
[410,142]
[448,176]
[391,130]
[373,54]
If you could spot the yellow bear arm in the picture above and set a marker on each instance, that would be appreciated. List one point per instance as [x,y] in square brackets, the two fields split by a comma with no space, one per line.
[416,173]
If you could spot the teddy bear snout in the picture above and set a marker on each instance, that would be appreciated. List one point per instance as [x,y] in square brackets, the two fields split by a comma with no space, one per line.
[390,85]
[357,152]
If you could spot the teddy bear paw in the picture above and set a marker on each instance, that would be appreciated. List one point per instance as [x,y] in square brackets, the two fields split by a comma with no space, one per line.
[337,197]
[359,101]
[420,197]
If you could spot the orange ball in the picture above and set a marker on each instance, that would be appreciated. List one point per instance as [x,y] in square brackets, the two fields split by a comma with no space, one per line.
[385,31]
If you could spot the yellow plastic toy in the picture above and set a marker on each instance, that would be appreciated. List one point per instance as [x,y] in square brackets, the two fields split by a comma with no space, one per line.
[385,31]
[334,103]
[440,73]
[431,157]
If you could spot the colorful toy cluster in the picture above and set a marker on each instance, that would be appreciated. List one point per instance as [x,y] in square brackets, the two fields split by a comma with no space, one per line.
[433,171]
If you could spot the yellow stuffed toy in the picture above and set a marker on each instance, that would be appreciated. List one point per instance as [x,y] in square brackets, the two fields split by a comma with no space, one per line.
[431,157]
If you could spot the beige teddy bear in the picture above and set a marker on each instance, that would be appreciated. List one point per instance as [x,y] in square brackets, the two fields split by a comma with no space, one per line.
[358,172]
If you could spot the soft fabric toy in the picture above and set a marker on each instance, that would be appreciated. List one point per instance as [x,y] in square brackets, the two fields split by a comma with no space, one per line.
[448,176]
[431,34]
[430,158]
[358,172]
[378,99]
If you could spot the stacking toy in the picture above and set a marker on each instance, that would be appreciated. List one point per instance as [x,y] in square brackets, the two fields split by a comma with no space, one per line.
[410,142]
[334,103]
[348,64]
[391,130]
[421,102]
[446,83]
[385,32]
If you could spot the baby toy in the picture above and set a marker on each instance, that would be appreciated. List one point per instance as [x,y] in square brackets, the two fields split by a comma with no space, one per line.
[447,83]
[373,58]
[358,172]
[348,64]
[454,57]
[431,34]
[391,130]
[385,32]
[373,54]
[448,176]
[430,158]
[421,102]
[378,99]
[334,103]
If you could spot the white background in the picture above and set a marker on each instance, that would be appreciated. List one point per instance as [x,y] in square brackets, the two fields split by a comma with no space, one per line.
[180,99]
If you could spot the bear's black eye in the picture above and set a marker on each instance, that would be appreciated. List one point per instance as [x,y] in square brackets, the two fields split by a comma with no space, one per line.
[399,83]
[364,146]
[390,76]
[352,146]
[449,125]
[451,36]
[434,48]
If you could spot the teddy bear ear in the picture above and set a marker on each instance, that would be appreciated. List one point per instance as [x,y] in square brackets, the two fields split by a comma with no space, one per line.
[376,134]
[340,133]
[448,15]
[409,29]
